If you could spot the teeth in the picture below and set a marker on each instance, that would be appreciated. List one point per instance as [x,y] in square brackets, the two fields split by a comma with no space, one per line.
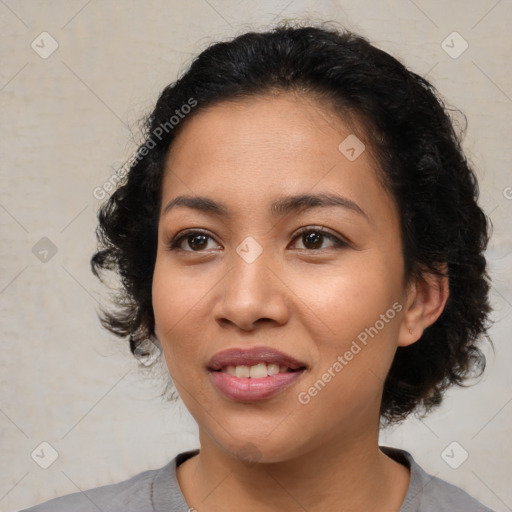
[258,371]
[242,371]
[231,370]
[272,369]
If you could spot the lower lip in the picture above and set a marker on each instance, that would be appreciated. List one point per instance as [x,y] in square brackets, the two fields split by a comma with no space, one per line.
[249,390]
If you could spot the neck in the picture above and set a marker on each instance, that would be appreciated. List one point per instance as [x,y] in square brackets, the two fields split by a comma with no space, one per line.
[346,474]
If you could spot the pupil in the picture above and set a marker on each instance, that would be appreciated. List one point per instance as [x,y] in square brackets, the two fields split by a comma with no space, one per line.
[195,237]
[313,238]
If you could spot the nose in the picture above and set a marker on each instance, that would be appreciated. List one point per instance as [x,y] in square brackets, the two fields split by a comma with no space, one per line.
[254,293]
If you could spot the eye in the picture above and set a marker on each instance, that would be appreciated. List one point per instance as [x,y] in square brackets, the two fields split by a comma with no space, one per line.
[313,237]
[195,239]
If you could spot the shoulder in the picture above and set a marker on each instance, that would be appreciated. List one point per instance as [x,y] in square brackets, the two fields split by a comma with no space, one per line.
[131,495]
[427,493]
[440,495]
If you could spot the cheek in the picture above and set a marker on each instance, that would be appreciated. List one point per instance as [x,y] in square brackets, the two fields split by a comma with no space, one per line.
[175,291]
[360,313]
[351,299]
[172,300]
[352,365]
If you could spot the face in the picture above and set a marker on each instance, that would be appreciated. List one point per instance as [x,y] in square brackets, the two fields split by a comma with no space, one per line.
[323,284]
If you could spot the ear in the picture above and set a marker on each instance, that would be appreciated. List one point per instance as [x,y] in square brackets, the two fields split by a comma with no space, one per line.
[425,301]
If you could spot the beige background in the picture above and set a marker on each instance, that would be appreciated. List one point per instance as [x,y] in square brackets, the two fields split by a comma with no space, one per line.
[69,120]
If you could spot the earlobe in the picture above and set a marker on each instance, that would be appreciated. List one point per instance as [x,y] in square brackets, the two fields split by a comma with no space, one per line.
[426,300]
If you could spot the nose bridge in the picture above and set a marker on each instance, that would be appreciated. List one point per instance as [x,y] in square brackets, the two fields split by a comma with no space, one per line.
[251,266]
[252,291]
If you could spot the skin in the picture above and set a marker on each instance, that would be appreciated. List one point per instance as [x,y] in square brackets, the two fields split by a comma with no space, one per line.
[309,301]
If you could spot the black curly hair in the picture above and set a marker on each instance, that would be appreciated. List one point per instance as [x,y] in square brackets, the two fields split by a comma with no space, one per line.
[421,162]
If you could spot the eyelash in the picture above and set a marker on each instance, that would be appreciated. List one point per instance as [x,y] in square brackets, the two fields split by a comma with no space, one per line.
[338,243]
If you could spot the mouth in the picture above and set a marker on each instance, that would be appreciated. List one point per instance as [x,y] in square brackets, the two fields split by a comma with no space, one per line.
[254,362]
[255,373]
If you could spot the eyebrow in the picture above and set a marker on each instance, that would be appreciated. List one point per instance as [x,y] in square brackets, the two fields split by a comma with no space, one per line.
[282,206]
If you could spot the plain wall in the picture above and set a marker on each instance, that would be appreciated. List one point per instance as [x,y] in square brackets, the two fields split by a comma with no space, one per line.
[70,120]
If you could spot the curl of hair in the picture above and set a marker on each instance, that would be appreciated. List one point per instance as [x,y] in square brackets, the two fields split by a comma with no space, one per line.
[421,163]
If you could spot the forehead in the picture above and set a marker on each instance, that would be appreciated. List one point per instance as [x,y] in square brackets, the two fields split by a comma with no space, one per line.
[286,126]
[249,151]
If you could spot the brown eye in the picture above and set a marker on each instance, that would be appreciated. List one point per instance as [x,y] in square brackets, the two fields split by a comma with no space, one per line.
[196,241]
[314,238]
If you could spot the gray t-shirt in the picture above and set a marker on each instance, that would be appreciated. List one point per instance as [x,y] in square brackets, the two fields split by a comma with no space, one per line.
[157,490]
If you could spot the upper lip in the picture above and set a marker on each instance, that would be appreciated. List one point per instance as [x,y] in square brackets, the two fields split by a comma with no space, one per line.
[250,356]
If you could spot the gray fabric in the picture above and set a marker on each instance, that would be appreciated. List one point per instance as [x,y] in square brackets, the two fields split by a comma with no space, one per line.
[157,490]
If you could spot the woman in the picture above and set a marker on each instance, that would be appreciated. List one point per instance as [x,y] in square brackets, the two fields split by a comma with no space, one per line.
[300,234]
